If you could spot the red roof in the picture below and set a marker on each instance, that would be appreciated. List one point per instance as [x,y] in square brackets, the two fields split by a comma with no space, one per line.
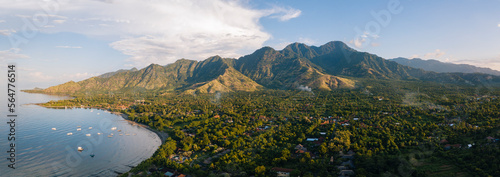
[444,141]
[490,138]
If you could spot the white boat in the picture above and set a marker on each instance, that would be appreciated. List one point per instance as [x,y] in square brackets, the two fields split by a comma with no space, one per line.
[111,134]
[53,128]
[80,149]
[98,133]
[98,113]
[90,128]
[69,133]
[87,135]
[113,128]
[78,129]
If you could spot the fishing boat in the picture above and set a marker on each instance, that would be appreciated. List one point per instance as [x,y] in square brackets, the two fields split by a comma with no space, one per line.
[69,134]
[113,128]
[109,136]
[90,128]
[78,126]
[78,129]
[127,134]
[53,128]
[98,133]
[80,149]
[119,130]
[121,134]
[87,135]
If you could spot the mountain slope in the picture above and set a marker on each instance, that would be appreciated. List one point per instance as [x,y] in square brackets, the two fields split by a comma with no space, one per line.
[441,67]
[287,70]
[325,67]
[211,75]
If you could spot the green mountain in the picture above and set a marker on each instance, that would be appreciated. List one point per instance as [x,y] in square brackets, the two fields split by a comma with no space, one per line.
[441,67]
[330,66]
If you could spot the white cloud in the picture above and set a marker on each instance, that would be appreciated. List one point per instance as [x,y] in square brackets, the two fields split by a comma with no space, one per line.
[39,77]
[434,55]
[76,77]
[2,21]
[283,14]
[307,41]
[160,31]
[11,54]
[58,21]
[7,32]
[499,25]
[358,42]
[414,56]
[69,47]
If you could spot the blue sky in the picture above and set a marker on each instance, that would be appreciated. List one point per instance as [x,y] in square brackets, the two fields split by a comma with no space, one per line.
[53,42]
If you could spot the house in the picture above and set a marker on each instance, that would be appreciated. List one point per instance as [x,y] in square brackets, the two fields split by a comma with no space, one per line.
[342,168]
[447,147]
[312,139]
[356,118]
[346,173]
[348,163]
[217,116]
[282,172]
[443,141]
[300,147]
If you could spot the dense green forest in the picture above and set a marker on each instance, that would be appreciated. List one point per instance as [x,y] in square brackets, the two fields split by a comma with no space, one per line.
[381,128]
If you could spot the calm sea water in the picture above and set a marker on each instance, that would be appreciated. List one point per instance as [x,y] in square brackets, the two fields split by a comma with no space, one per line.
[42,151]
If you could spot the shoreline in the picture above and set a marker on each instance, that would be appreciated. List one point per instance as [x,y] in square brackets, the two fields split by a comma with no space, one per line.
[162,135]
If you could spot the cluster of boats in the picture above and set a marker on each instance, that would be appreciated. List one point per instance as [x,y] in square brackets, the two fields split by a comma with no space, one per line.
[88,134]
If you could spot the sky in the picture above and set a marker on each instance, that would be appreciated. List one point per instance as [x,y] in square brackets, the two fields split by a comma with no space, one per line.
[56,41]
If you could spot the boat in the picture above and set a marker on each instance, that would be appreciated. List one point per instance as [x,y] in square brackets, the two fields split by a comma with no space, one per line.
[78,129]
[92,155]
[110,136]
[113,128]
[80,149]
[98,133]
[121,134]
[98,113]
[127,134]
[119,130]
[53,128]
[78,126]
[69,133]
[90,128]
[87,135]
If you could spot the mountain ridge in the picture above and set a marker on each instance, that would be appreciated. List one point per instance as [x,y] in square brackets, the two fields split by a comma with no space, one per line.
[443,67]
[330,66]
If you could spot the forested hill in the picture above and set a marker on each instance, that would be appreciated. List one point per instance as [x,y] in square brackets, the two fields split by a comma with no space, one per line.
[441,67]
[330,66]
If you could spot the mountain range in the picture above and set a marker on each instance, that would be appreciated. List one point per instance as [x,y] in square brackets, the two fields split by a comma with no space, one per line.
[442,67]
[330,66]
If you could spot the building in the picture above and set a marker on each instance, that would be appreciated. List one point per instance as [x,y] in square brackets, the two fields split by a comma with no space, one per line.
[346,173]
[282,172]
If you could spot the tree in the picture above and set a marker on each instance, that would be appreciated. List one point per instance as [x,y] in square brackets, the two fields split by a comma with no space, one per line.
[260,170]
